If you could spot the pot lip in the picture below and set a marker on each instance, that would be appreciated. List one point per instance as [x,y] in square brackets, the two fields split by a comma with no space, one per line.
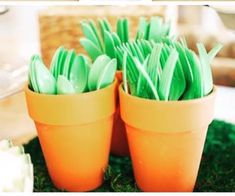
[75,109]
[167,116]
[29,91]
[190,101]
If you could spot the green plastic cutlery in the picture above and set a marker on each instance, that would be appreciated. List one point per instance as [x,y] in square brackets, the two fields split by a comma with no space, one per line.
[107,75]
[205,60]
[41,78]
[91,33]
[106,40]
[92,50]
[167,75]
[64,86]
[166,69]
[71,73]
[32,78]
[79,74]
[154,30]
[155,65]
[102,72]
[109,44]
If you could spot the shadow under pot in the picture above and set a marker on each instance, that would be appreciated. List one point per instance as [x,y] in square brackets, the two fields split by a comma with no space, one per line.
[75,135]
[166,140]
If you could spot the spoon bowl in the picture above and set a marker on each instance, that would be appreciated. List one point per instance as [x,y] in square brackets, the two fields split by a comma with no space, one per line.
[64,86]
[96,70]
[44,79]
[79,74]
[107,75]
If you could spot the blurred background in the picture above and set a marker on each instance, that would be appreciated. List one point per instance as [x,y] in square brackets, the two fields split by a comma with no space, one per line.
[39,29]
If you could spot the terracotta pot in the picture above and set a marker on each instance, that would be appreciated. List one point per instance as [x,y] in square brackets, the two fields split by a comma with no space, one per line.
[75,135]
[166,140]
[119,144]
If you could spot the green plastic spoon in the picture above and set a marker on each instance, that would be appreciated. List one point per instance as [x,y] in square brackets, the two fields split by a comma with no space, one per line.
[68,63]
[125,26]
[91,48]
[45,80]
[55,61]
[78,76]
[64,86]
[95,71]
[90,34]
[104,26]
[107,25]
[92,25]
[109,44]
[32,78]
[120,30]
[116,39]
[108,74]
[60,65]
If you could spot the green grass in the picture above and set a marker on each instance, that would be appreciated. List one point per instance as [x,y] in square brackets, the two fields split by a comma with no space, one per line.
[216,173]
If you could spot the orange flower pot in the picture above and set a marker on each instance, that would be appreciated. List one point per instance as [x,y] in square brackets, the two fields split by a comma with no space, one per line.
[119,144]
[75,135]
[166,140]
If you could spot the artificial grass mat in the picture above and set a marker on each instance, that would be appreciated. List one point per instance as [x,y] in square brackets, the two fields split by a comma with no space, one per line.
[216,173]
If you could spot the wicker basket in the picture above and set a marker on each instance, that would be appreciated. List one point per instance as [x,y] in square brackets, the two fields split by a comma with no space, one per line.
[60,25]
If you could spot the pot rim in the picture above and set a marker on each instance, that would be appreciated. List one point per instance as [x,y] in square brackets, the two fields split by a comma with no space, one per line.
[166,116]
[75,109]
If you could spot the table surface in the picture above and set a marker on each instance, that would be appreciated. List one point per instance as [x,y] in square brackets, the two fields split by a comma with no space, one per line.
[16,124]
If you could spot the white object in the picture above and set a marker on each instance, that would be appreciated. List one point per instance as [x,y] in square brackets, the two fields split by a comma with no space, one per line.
[12,80]
[16,168]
